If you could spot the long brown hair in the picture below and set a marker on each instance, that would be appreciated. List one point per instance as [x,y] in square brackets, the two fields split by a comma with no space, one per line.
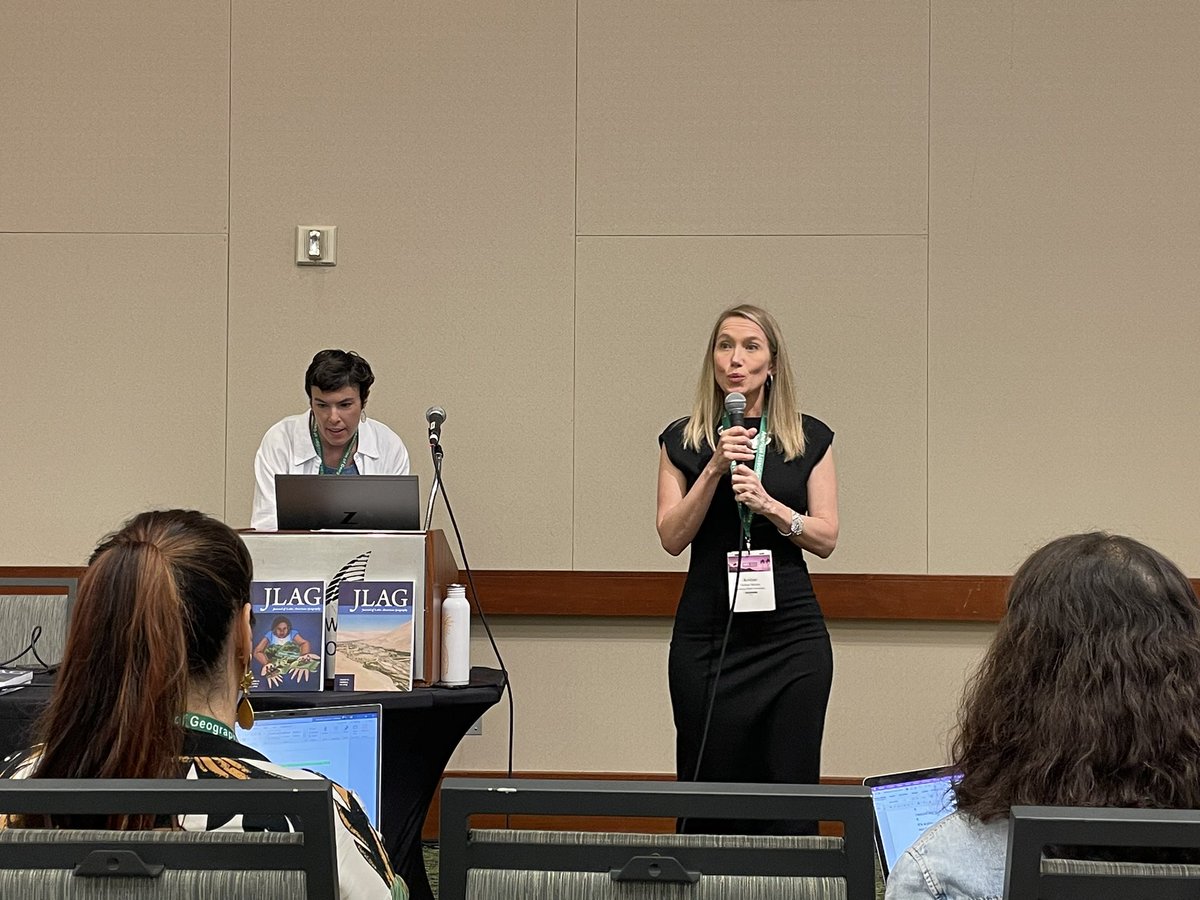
[153,616]
[781,407]
[1089,695]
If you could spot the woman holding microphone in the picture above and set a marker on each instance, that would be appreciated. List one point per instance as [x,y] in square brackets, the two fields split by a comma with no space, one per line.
[749,674]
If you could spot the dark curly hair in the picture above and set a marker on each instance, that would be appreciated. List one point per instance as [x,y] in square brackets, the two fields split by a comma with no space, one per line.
[1089,694]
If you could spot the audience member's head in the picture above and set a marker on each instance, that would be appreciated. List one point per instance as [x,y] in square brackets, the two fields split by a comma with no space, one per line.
[161,625]
[1090,692]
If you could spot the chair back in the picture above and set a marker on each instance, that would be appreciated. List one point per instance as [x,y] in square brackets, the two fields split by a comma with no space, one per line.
[510,864]
[24,615]
[70,863]
[1029,875]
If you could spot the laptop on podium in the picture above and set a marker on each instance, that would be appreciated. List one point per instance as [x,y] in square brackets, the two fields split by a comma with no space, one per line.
[352,502]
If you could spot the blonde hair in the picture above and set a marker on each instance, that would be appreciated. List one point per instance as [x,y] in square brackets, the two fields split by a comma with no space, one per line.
[780,405]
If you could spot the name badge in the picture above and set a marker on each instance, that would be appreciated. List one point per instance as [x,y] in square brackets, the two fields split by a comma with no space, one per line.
[755,584]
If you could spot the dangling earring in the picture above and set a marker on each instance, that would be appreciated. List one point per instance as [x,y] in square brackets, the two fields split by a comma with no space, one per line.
[245,712]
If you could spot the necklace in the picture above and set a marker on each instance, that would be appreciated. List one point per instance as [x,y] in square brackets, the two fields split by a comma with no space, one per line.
[323,469]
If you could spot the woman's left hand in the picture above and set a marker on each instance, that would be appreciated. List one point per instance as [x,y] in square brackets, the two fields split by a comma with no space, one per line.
[748,489]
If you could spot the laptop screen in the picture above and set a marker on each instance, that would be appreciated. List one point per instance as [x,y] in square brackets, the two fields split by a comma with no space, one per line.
[357,502]
[906,804]
[343,743]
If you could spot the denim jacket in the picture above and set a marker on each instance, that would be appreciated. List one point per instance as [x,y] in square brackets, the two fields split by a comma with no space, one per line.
[959,858]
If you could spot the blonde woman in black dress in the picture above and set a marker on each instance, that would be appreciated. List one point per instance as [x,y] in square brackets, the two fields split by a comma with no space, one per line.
[769,489]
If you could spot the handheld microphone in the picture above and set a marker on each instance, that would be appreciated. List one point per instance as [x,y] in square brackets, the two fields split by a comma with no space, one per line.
[435,416]
[735,408]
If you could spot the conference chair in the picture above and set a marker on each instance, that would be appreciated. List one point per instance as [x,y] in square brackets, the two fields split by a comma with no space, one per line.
[505,864]
[37,620]
[1031,876]
[49,864]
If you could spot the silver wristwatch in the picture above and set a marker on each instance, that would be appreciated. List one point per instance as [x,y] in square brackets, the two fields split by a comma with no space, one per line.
[797,526]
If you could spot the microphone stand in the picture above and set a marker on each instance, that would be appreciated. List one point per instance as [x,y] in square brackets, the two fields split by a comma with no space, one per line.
[435,448]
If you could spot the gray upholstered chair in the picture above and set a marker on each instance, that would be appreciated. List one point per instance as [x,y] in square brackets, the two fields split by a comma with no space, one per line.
[500,864]
[21,614]
[49,864]
[1030,875]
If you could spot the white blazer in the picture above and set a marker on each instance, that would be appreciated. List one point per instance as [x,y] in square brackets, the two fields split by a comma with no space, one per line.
[287,449]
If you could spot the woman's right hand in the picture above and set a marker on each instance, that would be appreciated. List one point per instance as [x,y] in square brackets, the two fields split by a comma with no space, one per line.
[733,446]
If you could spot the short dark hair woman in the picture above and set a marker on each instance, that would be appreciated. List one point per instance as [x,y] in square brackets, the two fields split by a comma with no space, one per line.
[332,437]
[767,486]
[157,651]
[332,370]
[1089,695]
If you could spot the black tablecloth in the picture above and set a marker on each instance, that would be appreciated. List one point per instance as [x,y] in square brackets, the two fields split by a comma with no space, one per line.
[421,728]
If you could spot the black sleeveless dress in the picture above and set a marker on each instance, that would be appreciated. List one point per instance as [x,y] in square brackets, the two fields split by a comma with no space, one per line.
[769,714]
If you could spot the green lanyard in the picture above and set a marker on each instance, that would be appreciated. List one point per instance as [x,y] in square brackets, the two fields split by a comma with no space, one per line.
[316,439]
[760,457]
[205,725]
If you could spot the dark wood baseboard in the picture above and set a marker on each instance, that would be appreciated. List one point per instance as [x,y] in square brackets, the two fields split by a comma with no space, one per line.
[620,824]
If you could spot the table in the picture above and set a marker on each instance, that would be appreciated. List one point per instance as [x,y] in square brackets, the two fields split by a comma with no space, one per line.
[421,728]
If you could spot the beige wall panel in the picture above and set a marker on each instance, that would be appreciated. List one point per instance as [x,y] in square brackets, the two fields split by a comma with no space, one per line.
[1063,278]
[896,690]
[853,312]
[116,116]
[758,117]
[118,404]
[439,139]
[591,696]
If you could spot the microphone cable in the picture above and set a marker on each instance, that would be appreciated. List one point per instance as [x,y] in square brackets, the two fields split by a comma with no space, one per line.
[743,545]
[712,694]
[434,450]
[34,636]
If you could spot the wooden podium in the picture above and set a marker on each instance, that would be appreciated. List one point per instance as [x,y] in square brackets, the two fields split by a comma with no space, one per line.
[422,557]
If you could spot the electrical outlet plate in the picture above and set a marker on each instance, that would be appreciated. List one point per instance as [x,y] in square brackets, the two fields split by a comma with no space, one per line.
[316,245]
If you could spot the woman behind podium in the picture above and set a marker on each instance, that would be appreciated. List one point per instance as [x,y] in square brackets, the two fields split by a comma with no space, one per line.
[158,648]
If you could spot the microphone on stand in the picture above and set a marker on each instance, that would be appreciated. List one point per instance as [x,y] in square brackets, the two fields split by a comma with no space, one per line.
[435,416]
[735,408]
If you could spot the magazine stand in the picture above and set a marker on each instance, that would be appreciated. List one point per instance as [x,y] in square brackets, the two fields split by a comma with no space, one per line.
[337,557]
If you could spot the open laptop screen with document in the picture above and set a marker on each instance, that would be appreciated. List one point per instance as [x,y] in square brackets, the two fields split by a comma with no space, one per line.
[906,804]
[343,743]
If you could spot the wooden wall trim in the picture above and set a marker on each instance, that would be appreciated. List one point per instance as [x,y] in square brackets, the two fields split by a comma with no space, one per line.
[949,598]
[38,572]
[555,592]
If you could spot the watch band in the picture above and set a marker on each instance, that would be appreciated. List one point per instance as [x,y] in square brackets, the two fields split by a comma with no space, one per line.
[797,526]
